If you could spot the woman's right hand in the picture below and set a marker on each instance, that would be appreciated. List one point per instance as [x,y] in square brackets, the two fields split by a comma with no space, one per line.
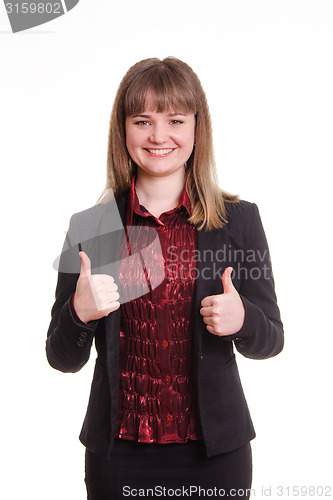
[96,295]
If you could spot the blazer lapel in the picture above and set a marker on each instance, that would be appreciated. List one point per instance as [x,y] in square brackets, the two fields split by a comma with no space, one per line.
[207,244]
[112,321]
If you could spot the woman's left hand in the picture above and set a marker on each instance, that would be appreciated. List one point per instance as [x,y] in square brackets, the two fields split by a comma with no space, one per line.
[224,314]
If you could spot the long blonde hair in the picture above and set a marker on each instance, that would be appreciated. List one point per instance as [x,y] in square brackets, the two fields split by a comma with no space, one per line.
[173,85]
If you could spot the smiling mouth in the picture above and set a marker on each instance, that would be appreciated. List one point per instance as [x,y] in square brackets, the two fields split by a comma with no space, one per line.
[159,152]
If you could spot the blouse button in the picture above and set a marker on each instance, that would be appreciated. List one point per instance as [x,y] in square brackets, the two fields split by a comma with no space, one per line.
[167,378]
[162,303]
[169,417]
[165,343]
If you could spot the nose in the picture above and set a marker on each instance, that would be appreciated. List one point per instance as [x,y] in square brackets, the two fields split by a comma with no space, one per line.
[158,134]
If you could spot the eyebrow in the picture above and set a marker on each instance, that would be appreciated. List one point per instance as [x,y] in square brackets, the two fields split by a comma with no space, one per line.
[148,116]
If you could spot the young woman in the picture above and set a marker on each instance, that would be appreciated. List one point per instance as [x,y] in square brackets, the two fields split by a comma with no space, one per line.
[167,276]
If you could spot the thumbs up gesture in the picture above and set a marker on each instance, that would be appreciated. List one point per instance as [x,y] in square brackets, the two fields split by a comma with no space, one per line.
[96,295]
[224,314]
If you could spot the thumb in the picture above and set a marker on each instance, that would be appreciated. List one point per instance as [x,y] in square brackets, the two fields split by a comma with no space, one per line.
[85,265]
[228,286]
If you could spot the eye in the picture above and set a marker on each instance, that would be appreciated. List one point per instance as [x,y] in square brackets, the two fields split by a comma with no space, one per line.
[176,122]
[141,123]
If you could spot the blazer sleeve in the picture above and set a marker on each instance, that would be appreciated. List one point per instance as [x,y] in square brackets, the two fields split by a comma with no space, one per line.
[262,334]
[69,340]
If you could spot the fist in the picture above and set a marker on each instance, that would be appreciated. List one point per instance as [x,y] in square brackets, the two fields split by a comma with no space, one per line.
[95,295]
[224,313]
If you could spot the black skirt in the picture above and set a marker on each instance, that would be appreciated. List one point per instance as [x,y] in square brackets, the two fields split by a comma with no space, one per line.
[168,470]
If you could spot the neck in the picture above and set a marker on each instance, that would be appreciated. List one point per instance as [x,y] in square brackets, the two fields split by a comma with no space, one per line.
[159,194]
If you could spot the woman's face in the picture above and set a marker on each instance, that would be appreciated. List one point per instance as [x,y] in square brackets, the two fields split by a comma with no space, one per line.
[160,143]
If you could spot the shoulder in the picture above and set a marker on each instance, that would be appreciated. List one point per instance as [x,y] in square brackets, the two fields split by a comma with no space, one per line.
[245,225]
[108,203]
[101,218]
[90,230]
[242,217]
[241,212]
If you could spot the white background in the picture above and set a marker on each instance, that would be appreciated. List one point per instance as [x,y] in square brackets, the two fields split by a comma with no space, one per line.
[266,67]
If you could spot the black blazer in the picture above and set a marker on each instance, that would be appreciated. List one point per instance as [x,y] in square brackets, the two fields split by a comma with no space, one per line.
[224,415]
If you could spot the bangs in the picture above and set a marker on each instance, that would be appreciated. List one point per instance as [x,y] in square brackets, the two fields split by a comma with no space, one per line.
[162,89]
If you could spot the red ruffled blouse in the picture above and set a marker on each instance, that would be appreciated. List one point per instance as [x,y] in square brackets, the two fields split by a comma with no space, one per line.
[157,402]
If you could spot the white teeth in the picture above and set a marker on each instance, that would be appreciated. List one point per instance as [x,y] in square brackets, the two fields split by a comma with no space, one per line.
[160,151]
